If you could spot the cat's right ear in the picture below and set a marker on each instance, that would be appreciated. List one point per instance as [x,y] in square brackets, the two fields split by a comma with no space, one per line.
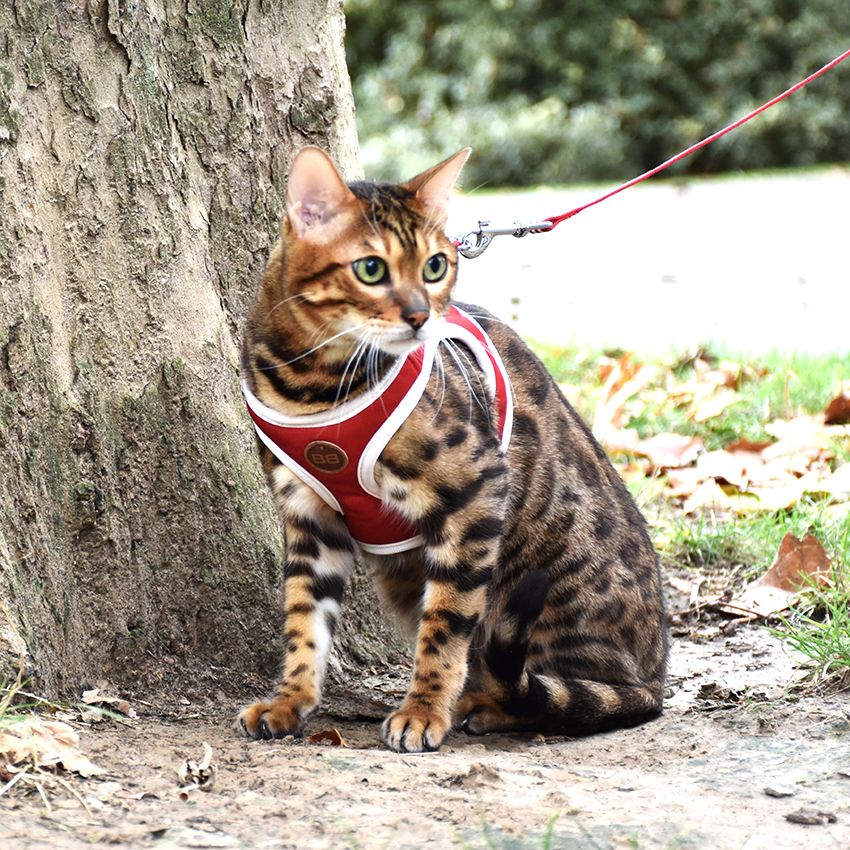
[315,193]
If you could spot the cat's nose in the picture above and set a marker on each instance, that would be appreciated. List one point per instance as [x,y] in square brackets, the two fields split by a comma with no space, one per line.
[415,317]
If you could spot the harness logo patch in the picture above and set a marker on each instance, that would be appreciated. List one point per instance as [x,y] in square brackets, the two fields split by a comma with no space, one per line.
[326,457]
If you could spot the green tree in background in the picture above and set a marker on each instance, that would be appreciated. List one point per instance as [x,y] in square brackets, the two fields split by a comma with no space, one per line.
[553,92]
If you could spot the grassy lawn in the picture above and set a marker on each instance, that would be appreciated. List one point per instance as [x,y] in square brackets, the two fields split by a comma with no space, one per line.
[708,540]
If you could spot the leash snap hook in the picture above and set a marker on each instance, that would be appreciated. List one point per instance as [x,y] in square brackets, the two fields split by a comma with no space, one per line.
[475,242]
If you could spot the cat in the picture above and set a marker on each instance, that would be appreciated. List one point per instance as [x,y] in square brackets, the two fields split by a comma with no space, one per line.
[525,576]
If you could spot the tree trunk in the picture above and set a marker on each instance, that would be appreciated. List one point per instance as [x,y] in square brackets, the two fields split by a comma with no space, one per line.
[143,150]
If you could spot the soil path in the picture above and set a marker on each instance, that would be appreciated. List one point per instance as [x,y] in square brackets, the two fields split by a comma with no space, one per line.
[702,776]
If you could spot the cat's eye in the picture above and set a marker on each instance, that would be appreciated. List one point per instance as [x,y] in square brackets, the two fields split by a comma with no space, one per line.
[370,270]
[435,268]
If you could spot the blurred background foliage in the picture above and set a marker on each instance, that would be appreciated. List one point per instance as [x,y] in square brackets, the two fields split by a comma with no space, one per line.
[557,91]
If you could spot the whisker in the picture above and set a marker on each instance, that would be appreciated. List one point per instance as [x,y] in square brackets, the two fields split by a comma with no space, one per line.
[302,295]
[356,357]
[441,375]
[351,361]
[321,345]
[373,224]
[456,353]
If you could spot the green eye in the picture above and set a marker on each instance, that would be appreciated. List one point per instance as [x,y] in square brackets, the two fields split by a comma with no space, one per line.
[435,268]
[370,270]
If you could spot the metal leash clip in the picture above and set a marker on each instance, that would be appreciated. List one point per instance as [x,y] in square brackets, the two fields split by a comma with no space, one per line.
[475,242]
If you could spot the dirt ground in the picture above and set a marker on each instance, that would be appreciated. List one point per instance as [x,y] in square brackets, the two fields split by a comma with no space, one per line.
[739,749]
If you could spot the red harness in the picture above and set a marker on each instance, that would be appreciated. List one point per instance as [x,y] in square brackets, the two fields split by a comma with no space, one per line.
[335,451]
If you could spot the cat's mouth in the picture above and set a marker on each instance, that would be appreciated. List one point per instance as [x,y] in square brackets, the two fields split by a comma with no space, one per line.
[401,340]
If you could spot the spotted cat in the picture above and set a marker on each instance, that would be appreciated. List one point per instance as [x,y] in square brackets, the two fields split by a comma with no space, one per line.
[496,529]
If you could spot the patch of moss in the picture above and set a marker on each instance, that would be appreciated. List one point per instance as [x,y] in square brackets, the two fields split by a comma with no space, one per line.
[34,68]
[34,16]
[77,93]
[219,20]
[10,117]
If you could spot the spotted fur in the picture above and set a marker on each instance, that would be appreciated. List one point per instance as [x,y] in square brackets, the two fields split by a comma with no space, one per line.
[534,602]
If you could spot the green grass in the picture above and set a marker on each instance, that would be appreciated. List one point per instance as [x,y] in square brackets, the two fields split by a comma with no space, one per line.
[772,386]
[10,707]
[821,629]
[706,542]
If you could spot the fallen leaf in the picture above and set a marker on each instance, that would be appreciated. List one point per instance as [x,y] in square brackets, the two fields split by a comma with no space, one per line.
[683,482]
[331,736]
[96,697]
[724,466]
[43,743]
[666,451]
[200,774]
[609,412]
[745,445]
[811,817]
[798,564]
[838,410]
[801,440]
[838,483]
[712,404]
[618,440]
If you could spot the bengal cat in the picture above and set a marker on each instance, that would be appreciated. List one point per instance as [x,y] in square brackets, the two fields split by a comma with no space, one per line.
[529,588]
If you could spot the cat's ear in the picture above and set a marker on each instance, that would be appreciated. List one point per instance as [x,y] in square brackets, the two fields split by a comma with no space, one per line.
[435,185]
[315,193]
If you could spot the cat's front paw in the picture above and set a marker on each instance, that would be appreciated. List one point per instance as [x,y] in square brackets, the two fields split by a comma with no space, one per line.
[273,719]
[414,730]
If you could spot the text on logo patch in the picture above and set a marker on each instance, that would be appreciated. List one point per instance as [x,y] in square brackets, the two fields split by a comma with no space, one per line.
[326,456]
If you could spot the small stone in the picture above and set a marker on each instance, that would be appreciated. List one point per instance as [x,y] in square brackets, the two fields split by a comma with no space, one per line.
[779,791]
[811,817]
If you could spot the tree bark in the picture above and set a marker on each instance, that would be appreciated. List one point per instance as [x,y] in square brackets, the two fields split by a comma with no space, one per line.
[143,151]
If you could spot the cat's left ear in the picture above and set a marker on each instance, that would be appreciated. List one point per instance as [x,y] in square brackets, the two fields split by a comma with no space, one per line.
[434,186]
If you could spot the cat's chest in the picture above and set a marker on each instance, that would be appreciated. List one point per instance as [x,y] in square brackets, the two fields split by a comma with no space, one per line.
[434,451]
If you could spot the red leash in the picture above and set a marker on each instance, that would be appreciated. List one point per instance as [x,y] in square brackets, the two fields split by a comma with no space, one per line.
[473,244]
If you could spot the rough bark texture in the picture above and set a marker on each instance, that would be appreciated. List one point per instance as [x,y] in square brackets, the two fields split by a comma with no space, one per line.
[143,150]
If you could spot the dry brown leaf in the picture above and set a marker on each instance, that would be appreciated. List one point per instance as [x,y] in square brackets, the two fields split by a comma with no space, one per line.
[609,412]
[615,371]
[724,466]
[838,410]
[331,736]
[798,564]
[43,743]
[745,445]
[711,404]
[96,697]
[801,439]
[708,494]
[618,440]
[838,483]
[198,774]
[669,451]
[682,482]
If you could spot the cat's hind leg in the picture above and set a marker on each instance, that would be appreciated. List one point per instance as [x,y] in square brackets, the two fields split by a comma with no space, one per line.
[578,695]
[488,706]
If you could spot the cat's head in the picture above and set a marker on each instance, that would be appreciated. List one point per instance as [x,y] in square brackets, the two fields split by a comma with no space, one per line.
[369,260]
